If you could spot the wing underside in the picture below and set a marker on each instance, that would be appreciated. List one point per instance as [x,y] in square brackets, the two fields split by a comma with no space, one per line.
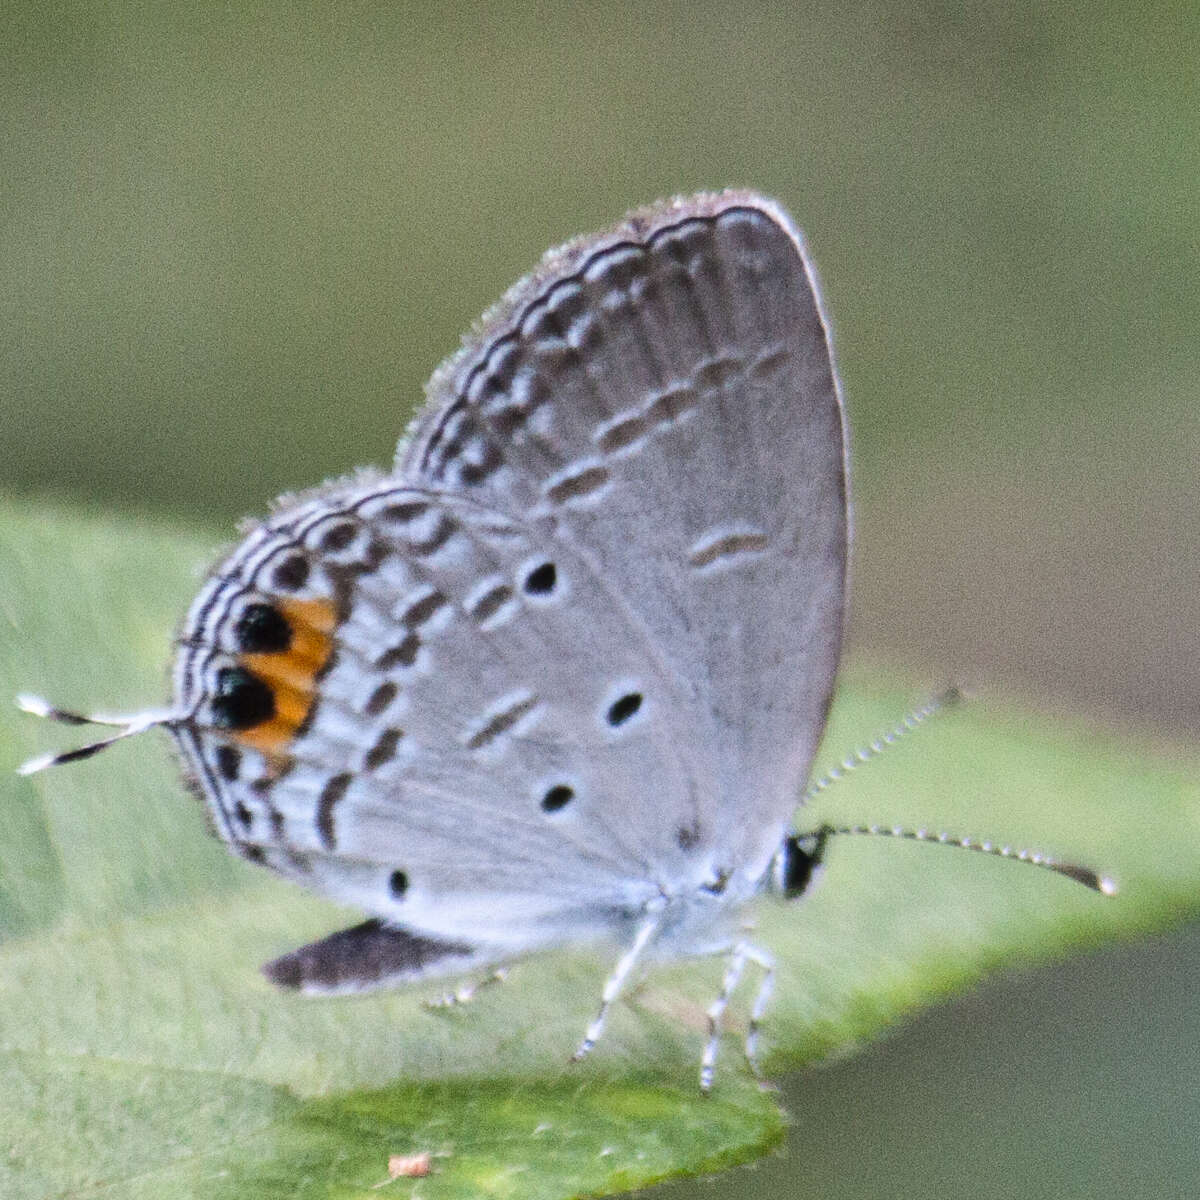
[579,650]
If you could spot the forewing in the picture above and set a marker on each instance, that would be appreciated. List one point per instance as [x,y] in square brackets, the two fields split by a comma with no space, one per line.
[661,400]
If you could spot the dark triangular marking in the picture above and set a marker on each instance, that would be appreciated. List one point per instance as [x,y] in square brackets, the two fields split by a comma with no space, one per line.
[369,955]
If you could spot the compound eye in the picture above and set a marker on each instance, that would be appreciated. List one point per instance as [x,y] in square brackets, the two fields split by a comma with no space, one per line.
[798,862]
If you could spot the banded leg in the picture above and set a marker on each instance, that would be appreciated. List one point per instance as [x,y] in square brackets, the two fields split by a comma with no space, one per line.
[615,982]
[741,954]
[766,963]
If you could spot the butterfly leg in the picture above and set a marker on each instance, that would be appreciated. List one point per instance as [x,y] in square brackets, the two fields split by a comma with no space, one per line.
[766,964]
[467,992]
[741,954]
[616,981]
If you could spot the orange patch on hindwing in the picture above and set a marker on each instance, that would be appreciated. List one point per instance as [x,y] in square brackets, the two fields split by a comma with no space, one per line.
[291,673]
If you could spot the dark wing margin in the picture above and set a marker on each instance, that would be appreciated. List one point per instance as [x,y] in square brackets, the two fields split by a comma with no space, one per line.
[367,956]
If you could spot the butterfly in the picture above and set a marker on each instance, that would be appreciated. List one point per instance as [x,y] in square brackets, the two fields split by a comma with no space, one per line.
[560,675]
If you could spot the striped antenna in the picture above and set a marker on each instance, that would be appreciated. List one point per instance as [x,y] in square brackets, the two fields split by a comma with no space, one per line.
[951,697]
[1103,884]
[128,726]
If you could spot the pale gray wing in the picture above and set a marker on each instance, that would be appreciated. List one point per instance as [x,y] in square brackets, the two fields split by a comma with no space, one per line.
[660,399]
[421,707]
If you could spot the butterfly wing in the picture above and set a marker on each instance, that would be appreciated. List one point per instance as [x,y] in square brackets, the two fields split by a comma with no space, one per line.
[425,708]
[662,400]
[577,653]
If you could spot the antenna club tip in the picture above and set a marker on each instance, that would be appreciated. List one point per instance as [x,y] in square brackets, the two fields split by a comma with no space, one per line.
[1107,886]
[34,705]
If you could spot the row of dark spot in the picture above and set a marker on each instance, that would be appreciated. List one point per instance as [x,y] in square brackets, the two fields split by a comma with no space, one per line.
[241,700]
[554,800]
[540,581]
[537,348]
[621,710]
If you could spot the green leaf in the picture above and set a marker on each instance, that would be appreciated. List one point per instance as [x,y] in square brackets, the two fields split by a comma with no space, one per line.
[142,1053]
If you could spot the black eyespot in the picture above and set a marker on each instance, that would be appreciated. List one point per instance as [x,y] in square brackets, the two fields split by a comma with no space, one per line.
[241,700]
[244,815]
[559,796]
[621,710]
[262,629]
[398,884]
[541,580]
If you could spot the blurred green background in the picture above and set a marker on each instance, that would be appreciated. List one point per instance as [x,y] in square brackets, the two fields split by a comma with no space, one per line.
[235,240]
